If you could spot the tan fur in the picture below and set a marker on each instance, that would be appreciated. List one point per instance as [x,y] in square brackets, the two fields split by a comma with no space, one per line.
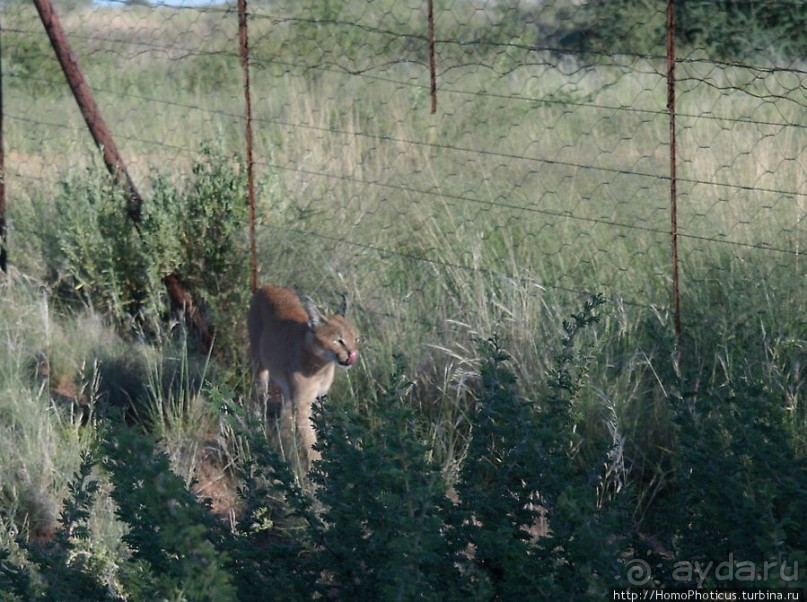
[298,348]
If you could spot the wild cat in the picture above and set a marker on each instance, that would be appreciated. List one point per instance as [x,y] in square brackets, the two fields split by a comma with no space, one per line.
[298,348]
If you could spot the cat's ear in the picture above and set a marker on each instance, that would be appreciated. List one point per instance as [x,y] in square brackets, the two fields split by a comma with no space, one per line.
[315,319]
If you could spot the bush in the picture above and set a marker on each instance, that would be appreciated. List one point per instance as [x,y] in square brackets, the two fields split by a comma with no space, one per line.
[521,470]
[29,62]
[118,266]
[740,492]
[381,525]
[97,248]
[66,567]
[728,30]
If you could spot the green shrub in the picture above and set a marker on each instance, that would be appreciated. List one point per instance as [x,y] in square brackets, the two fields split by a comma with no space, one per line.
[212,234]
[520,469]
[29,62]
[740,493]
[96,246]
[65,567]
[727,30]
[196,233]
[381,524]
[741,30]
[175,540]
[384,503]
[274,536]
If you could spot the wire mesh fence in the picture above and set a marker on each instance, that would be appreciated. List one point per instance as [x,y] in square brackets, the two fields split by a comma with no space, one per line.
[547,160]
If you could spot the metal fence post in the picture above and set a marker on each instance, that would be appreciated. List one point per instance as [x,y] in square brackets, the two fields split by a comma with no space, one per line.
[244,53]
[673,175]
[432,61]
[3,239]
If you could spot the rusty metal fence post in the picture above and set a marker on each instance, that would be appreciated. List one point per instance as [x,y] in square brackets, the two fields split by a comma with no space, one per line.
[673,175]
[3,239]
[432,60]
[243,38]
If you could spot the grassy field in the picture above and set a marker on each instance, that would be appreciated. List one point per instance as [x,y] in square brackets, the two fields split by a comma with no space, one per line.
[540,180]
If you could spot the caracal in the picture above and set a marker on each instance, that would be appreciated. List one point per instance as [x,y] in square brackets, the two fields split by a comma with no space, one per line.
[298,348]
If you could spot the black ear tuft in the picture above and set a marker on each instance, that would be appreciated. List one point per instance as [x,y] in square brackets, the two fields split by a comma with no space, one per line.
[343,307]
[315,319]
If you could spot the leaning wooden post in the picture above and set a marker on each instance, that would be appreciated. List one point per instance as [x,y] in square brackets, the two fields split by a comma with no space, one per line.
[179,297]
[86,103]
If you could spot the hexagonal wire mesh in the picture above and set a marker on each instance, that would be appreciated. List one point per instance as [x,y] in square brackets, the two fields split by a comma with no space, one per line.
[547,161]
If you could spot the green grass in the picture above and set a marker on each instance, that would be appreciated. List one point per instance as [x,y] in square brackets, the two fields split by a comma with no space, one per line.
[49,387]
[534,184]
